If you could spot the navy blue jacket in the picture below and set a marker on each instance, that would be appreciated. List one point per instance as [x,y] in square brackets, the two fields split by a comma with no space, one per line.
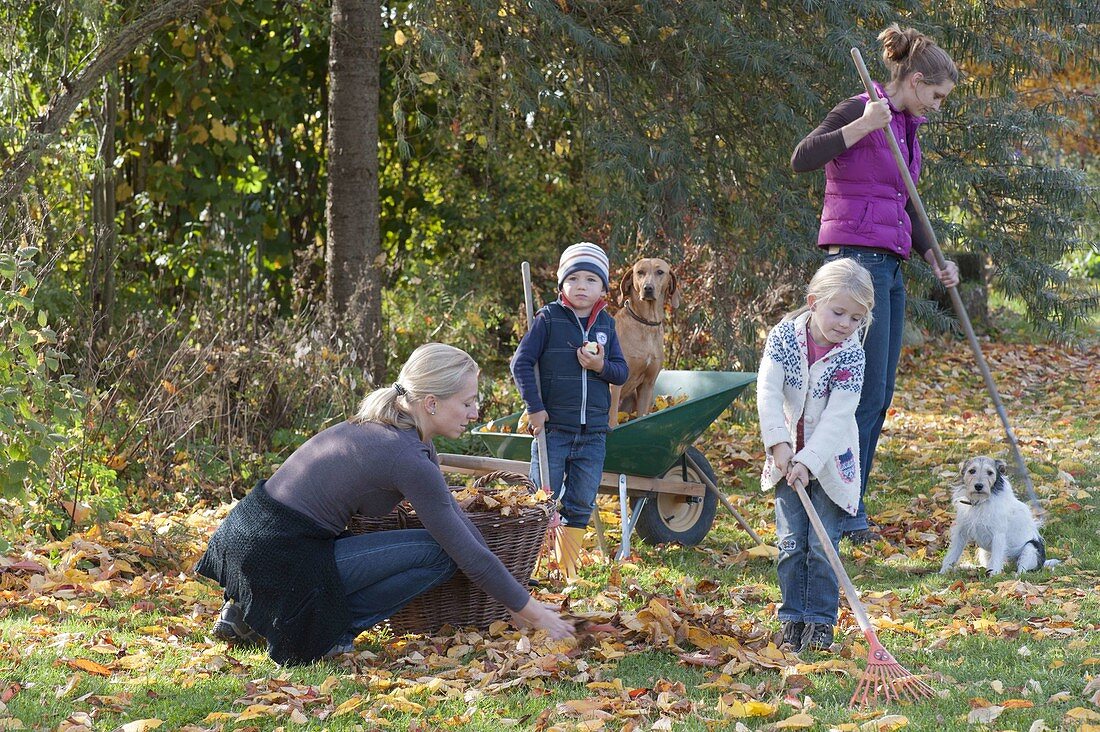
[571,395]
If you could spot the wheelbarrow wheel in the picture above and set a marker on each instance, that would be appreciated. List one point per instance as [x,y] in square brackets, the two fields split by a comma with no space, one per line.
[685,520]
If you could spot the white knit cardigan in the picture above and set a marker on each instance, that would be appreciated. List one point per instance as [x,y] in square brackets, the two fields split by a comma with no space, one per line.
[825,396]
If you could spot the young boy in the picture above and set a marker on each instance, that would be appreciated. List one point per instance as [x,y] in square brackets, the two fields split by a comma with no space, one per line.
[573,342]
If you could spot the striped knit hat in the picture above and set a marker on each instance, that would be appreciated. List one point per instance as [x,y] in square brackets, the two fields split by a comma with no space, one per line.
[583,256]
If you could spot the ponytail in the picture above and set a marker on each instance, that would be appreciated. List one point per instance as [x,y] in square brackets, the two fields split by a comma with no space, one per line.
[908,51]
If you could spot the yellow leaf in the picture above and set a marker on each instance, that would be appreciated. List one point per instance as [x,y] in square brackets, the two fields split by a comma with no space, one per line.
[739,710]
[198,134]
[885,724]
[123,191]
[348,706]
[429,77]
[798,721]
[766,551]
[328,685]
[399,38]
[84,664]
[1081,714]
[140,725]
[227,61]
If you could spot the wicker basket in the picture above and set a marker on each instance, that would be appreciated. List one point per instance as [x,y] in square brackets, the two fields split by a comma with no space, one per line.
[516,540]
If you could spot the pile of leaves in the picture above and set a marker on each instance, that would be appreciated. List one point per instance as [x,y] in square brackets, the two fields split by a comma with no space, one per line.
[507,499]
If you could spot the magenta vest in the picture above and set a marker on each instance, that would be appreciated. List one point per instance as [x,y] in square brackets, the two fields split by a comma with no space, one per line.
[865,195]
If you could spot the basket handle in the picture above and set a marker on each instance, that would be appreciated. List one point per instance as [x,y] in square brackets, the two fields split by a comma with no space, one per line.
[508,477]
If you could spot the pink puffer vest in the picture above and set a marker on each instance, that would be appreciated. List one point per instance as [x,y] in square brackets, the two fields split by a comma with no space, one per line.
[865,195]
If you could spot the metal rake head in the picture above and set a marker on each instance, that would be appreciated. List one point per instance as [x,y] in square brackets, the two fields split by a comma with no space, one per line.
[887,677]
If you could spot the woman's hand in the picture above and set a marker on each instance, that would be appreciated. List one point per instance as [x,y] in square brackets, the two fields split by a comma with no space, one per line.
[798,476]
[949,275]
[876,115]
[543,617]
[536,422]
[782,454]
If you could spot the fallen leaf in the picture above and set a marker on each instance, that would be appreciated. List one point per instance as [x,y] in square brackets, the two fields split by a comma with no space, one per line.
[798,721]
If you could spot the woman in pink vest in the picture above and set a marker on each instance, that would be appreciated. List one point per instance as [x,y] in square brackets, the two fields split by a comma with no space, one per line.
[867,215]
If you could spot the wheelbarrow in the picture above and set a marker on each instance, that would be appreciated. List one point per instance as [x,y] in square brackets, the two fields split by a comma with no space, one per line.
[668,491]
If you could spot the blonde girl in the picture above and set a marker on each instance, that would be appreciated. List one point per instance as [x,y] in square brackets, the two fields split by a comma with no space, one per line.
[808,388]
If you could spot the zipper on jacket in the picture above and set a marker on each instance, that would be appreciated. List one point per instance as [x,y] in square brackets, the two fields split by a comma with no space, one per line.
[584,373]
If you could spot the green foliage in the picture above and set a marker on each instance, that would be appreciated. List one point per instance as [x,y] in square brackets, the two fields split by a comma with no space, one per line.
[38,401]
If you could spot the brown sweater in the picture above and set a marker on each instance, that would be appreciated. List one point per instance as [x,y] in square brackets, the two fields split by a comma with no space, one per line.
[368,469]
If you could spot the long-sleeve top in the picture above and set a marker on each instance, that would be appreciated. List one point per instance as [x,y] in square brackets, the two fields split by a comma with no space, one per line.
[826,142]
[368,468]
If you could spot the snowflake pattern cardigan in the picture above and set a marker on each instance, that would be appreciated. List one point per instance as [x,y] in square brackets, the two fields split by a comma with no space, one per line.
[825,396]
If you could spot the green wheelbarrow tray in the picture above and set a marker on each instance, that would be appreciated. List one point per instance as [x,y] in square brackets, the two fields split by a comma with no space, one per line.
[650,445]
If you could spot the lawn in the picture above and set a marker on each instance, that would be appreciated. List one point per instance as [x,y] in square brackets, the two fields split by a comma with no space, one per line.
[107,629]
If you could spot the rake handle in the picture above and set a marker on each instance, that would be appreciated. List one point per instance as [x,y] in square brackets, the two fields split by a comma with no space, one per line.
[956,299]
[540,438]
[850,590]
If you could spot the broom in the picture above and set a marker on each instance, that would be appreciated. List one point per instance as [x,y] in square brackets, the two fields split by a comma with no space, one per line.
[956,299]
[558,536]
[883,674]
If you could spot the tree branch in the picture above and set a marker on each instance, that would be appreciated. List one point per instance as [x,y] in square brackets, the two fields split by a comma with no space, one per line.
[105,58]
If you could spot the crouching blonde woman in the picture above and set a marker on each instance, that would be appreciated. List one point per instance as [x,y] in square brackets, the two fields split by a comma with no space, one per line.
[295,579]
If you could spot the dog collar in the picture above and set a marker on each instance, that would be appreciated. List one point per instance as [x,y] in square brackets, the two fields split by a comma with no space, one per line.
[640,319]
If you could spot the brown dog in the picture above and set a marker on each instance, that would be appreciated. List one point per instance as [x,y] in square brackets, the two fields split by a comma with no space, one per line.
[646,288]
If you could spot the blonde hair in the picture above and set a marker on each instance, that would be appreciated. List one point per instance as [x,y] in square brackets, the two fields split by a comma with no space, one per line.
[433,368]
[908,51]
[842,276]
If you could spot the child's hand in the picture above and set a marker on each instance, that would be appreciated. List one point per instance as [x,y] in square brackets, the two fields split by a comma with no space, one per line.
[798,476]
[536,422]
[782,454]
[589,360]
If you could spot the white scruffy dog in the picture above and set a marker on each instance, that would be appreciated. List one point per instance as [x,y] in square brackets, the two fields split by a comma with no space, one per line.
[990,515]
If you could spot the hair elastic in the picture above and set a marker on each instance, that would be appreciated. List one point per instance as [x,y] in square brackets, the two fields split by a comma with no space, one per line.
[401,391]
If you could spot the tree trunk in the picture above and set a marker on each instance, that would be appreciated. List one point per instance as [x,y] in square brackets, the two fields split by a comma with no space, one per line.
[353,252]
[101,270]
[105,59]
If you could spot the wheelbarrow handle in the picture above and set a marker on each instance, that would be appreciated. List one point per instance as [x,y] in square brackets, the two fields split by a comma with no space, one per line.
[956,299]
[540,438]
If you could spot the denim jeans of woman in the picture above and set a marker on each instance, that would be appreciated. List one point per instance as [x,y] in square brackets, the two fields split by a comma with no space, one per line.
[383,570]
[575,462]
[811,592]
[882,348]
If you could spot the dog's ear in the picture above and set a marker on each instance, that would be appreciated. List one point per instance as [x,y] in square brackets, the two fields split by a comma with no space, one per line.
[672,292]
[962,468]
[626,286]
[1002,466]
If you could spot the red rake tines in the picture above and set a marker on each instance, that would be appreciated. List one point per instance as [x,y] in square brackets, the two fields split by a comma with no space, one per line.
[886,676]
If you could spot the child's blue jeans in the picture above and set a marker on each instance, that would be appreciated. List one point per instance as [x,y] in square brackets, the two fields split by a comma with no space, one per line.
[575,461]
[810,590]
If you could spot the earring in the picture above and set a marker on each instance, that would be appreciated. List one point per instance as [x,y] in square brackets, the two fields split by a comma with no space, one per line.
[431,412]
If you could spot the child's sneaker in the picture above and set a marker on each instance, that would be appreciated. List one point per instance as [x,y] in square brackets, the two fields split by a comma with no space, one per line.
[817,636]
[792,635]
[231,628]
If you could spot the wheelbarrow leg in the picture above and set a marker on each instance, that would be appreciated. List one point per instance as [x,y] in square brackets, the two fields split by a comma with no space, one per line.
[725,501]
[629,518]
[599,532]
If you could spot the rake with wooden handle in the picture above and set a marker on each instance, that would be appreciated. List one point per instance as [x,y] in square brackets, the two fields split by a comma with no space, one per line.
[883,674]
[562,540]
[956,299]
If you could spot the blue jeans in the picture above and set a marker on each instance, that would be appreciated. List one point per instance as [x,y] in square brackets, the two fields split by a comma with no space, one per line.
[383,570]
[575,462]
[811,591]
[882,347]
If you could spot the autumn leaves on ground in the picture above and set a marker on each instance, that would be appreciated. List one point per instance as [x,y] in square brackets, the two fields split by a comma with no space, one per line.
[107,629]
